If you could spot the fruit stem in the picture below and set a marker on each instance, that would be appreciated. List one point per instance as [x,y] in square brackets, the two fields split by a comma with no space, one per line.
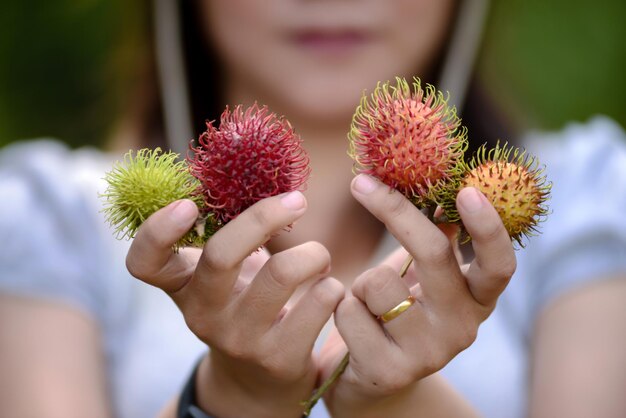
[406,265]
[326,385]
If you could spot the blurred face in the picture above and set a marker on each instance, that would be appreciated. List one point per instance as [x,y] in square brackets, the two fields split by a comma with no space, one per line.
[311,60]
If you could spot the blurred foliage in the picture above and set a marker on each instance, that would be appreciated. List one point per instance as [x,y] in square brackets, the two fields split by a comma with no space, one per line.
[549,62]
[67,66]
[63,67]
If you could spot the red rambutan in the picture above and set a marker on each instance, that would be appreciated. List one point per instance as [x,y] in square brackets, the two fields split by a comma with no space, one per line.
[253,155]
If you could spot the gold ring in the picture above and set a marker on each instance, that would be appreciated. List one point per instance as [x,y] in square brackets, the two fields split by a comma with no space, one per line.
[397,310]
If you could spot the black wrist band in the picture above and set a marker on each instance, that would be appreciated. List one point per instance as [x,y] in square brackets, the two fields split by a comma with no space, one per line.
[187,405]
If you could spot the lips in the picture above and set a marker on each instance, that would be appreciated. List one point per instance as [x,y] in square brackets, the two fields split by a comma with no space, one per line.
[331,41]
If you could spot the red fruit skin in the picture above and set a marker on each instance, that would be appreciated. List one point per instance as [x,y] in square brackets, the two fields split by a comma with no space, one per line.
[253,155]
[408,138]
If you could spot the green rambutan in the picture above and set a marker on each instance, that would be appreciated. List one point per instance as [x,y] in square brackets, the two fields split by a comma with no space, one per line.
[514,183]
[409,139]
[146,182]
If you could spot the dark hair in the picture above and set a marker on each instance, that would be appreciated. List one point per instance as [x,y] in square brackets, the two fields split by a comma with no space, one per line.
[202,68]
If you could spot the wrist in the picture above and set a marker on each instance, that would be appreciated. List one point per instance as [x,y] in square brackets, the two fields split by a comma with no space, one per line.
[350,401]
[428,397]
[224,393]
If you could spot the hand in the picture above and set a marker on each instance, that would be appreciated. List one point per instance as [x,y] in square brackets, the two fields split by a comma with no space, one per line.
[388,361]
[260,362]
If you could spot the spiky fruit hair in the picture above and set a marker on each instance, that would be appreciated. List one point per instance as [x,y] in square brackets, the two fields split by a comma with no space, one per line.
[515,183]
[253,154]
[144,183]
[410,139]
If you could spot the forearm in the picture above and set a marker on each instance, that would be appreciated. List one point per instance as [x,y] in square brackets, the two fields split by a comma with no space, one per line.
[579,362]
[430,397]
[51,360]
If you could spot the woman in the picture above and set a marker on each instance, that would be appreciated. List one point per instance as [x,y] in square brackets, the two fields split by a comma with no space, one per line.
[118,346]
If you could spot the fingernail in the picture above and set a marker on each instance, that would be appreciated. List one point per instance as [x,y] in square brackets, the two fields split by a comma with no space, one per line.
[293,200]
[364,184]
[183,211]
[471,199]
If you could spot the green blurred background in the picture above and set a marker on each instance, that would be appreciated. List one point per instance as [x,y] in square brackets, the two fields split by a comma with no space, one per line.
[65,64]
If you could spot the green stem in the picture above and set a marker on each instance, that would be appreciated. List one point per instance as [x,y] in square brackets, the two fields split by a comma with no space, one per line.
[308,405]
[406,265]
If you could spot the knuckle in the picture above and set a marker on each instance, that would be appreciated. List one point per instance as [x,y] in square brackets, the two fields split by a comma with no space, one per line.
[260,214]
[492,229]
[377,279]
[320,252]
[133,267]
[326,293]
[466,337]
[204,323]
[504,268]
[396,204]
[214,259]
[279,271]
[461,335]
[235,346]
[439,251]
[198,326]
[160,240]
[345,311]
[434,357]
[509,265]
[432,363]
[348,307]
[278,367]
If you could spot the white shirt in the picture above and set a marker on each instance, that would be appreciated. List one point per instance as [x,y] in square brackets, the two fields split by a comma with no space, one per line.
[55,244]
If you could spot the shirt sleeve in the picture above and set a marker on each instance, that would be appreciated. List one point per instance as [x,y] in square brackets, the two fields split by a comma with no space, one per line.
[47,245]
[584,237]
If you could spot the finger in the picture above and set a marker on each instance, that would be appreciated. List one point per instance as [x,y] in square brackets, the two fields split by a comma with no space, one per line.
[304,321]
[381,289]
[362,333]
[495,262]
[253,264]
[433,253]
[397,261]
[277,280]
[151,257]
[219,266]
[451,231]
[331,353]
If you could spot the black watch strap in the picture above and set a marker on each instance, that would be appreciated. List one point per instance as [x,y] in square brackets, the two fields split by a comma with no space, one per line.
[187,405]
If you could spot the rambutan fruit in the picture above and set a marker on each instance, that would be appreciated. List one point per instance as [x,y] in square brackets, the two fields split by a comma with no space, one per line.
[253,155]
[409,139]
[514,183]
[144,183]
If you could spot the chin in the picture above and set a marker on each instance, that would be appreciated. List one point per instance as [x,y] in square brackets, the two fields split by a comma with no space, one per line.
[327,106]
[324,100]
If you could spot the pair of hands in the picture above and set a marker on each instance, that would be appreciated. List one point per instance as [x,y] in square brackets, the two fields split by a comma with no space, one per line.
[261,361]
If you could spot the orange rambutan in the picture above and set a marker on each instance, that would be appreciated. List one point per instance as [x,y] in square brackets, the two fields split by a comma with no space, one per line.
[514,183]
[410,139]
